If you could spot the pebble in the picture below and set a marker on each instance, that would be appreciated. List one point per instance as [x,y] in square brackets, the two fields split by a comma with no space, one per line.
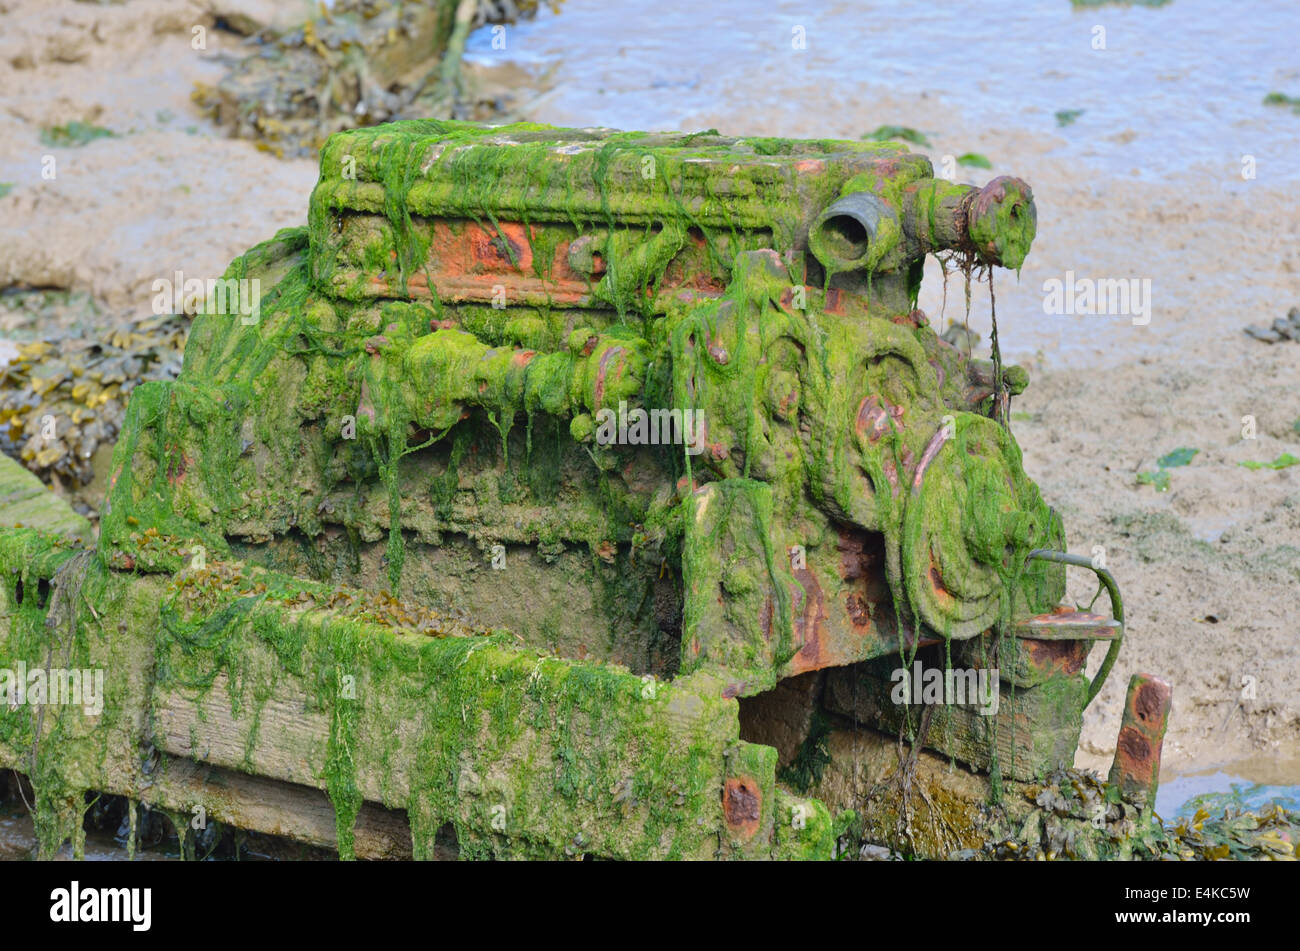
[1284,328]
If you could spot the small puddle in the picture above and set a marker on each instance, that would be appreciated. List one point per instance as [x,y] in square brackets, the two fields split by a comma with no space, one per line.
[1249,784]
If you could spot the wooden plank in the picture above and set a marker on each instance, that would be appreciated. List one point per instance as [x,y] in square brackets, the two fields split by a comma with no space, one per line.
[274,808]
[286,741]
[26,503]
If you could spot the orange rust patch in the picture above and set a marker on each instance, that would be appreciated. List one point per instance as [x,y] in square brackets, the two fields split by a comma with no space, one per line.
[809,627]
[862,558]
[496,249]
[1133,752]
[472,262]
[859,614]
[742,805]
[834,302]
[1066,657]
[1149,704]
[936,582]
[874,414]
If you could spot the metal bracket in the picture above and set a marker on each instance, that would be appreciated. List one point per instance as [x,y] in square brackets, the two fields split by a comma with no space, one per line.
[1092,631]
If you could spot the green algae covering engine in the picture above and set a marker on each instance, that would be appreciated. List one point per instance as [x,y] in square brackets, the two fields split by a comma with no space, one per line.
[629,426]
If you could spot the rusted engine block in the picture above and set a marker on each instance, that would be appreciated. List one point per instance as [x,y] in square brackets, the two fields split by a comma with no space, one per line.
[661,401]
[490,292]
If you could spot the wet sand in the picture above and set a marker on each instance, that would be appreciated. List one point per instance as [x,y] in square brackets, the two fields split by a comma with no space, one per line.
[1209,569]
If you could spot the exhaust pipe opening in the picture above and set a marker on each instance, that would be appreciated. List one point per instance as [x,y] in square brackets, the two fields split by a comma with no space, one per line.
[842,234]
[846,236]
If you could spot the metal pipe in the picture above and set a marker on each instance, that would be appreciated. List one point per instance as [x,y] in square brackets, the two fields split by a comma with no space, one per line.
[842,234]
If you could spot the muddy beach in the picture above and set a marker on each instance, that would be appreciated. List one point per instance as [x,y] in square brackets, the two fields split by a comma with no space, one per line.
[1207,552]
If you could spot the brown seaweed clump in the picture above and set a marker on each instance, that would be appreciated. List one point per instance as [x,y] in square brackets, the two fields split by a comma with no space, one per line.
[63,396]
[359,63]
[1077,816]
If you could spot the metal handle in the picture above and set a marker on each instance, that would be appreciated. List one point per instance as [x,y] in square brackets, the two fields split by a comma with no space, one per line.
[1116,608]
